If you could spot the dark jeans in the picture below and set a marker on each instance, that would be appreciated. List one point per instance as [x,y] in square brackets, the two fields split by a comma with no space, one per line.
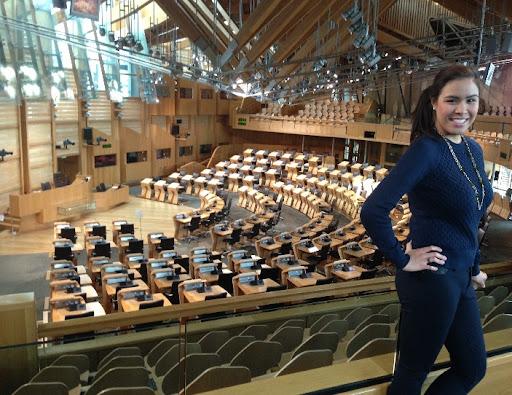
[436,310]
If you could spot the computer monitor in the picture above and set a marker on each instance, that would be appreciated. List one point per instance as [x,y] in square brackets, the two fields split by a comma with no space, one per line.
[100,231]
[127,228]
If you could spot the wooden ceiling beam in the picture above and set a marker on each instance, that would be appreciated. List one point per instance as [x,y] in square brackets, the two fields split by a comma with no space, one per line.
[330,43]
[188,26]
[306,28]
[275,29]
[403,48]
[220,43]
[470,10]
[261,15]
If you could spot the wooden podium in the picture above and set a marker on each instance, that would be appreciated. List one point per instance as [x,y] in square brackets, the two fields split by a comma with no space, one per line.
[40,209]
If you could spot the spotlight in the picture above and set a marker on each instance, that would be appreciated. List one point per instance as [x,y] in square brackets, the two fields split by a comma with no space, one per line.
[138,46]
[350,13]
[111,36]
[129,40]
[100,140]
[102,31]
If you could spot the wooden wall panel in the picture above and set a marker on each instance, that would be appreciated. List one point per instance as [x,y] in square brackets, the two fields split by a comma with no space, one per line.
[10,167]
[206,100]
[222,103]
[161,138]
[132,141]
[39,134]
[67,127]
[109,174]
[223,130]
[186,106]
[204,132]
[100,114]
[133,114]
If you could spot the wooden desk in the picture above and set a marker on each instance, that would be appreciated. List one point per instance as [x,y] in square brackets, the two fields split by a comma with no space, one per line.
[61,313]
[41,208]
[60,294]
[266,250]
[132,304]
[111,197]
[248,289]
[346,276]
[194,296]
[297,282]
[218,236]
[138,285]
[363,253]
[163,284]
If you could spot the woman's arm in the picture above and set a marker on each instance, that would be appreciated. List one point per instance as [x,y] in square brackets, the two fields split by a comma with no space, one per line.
[416,163]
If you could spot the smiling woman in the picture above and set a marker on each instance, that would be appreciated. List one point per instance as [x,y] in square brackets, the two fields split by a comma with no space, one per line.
[449,105]
[456,108]
[443,175]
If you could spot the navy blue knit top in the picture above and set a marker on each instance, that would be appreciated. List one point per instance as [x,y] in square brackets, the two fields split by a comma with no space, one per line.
[442,202]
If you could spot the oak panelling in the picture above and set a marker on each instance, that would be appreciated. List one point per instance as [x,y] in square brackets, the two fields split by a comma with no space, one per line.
[161,138]
[10,167]
[39,136]
[186,106]
[222,103]
[133,141]
[109,174]
[206,100]
[133,115]
[223,130]
[100,114]
[204,134]
[66,127]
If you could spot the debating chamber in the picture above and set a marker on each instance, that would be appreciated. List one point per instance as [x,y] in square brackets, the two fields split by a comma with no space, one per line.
[182,183]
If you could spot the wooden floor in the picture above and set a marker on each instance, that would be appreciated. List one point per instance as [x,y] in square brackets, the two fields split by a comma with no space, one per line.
[156,217]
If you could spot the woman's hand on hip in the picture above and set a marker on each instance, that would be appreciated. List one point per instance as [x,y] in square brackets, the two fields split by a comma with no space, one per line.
[420,258]
[478,281]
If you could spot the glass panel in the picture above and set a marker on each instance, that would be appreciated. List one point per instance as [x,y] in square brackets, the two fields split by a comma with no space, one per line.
[105,160]
[186,151]
[164,153]
[185,93]
[138,156]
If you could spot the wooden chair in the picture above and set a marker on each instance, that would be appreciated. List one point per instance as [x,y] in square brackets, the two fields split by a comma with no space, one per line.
[196,364]
[499,294]
[67,375]
[213,340]
[498,322]
[318,341]
[486,304]
[233,346]
[219,377]
[49,388]
[378,346]
[268,356]
[373,319]
[370,332]
[128,391]
[125,377]
[158,351]
[322,321]
[79,361]
[355,317]
[289,336]
[306,360]
[259,332]
[340,327]
[172,357]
